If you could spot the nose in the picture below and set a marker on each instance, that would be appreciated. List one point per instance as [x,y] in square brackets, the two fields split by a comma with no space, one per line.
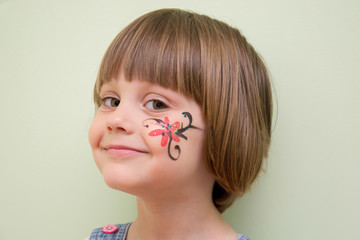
[121,120]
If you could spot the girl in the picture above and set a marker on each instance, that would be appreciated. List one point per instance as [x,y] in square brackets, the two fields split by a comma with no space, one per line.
[183,122]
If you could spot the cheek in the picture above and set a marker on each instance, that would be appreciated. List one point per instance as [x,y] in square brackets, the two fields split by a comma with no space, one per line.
[193,146]
[188,167]
[180,138]
[95,134]
[154,145]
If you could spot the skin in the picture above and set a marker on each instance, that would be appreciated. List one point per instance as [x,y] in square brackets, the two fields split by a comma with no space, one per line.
[174,196]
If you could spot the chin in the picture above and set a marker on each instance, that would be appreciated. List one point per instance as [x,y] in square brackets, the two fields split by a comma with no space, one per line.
[120,182]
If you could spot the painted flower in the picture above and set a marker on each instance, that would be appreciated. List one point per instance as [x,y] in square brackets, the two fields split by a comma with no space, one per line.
[168,131]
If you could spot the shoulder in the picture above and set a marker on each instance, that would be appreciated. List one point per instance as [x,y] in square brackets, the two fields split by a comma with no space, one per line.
[116,232]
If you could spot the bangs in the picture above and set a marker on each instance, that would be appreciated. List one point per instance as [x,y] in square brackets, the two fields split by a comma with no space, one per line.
[161,47]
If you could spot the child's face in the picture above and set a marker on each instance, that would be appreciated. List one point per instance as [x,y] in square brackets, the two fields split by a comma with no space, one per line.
[147,139]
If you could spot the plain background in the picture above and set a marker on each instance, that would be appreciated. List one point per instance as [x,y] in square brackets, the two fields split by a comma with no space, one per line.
[49,55]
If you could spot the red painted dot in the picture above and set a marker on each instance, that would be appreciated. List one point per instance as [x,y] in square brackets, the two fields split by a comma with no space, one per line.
[111,228]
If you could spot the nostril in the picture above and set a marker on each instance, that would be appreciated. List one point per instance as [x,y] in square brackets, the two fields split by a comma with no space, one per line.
[115,128]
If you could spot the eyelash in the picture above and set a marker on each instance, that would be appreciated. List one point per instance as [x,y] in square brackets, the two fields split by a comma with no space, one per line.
[154,101]
[109,101]
[104,100]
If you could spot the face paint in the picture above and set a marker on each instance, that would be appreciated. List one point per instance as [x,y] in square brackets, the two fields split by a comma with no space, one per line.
[170,132]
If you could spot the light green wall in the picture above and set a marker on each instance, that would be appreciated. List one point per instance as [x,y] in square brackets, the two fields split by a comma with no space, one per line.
[49,56]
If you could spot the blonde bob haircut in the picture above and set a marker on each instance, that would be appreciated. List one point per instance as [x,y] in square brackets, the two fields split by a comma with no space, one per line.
[213,63]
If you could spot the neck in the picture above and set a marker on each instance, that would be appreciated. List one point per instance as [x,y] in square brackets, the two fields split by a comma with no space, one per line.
[194,218]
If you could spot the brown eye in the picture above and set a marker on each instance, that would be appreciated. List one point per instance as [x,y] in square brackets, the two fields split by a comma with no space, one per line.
[111,102]
[156,105]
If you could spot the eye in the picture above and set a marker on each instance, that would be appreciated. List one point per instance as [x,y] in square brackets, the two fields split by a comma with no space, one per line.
[110,102]
[156,105]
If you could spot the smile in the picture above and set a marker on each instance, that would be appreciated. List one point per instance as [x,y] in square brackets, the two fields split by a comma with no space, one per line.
[120,150]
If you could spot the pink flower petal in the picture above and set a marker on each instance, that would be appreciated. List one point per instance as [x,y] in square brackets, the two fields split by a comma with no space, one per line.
[175,138]
[176,125]
[164,139]
[157,132]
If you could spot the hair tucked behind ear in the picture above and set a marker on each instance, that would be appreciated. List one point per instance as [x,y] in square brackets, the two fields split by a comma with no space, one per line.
[212,62]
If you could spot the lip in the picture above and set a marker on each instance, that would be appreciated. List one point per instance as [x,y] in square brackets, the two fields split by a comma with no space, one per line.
[121,150]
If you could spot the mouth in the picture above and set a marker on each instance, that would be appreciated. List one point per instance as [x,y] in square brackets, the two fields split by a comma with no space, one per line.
[121,150]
